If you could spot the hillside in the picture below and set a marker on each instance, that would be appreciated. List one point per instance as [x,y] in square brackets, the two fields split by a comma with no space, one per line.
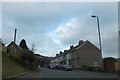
[12,67]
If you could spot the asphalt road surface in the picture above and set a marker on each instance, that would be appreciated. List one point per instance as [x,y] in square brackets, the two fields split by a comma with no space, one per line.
[53,73]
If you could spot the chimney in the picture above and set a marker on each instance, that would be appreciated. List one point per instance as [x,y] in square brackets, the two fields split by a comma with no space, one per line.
[65,50]
[57,54]
[81,42]
[71,47]
[60,52]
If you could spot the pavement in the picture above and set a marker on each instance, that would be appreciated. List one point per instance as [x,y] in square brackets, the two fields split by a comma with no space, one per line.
[32,74]
[53,73]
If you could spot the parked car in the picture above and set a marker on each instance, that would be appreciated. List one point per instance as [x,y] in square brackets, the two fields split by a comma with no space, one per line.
[59,66]
[38,67]
[52,66]
[67,67]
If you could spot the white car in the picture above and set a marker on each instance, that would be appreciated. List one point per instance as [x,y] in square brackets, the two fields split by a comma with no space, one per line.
[38,66]
[51,66]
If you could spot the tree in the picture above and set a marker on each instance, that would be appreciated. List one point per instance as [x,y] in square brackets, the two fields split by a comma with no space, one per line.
[23,44]
[29,56]
[33,47]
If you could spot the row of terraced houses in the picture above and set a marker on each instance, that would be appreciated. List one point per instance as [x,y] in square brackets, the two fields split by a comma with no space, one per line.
[84,53]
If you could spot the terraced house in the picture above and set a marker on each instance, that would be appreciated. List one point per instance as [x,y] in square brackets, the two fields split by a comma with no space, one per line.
[3,48]
[85,53]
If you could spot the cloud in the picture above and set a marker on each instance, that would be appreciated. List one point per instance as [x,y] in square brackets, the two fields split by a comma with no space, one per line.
[47,46]
[78,28]
[55,26]
[60,1]
[110,40]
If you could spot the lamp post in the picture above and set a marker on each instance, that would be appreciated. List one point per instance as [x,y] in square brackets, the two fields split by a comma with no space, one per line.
[98,32]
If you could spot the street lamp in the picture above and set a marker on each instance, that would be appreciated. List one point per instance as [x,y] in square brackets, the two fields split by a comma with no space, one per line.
[98,32]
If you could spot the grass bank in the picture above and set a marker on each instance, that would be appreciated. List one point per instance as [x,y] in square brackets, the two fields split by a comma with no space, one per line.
[12,66]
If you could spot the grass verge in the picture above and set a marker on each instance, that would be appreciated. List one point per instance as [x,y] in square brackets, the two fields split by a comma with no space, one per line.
[12,66]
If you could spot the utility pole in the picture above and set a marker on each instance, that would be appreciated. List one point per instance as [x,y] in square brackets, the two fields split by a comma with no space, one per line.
[15,35]
[14,47]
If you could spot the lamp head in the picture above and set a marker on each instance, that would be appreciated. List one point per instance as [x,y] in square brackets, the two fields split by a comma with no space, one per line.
[93,16]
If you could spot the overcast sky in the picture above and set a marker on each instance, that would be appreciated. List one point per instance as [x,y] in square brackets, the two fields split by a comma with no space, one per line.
[53,27]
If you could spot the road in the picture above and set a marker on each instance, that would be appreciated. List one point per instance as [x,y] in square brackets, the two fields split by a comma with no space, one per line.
[52,73]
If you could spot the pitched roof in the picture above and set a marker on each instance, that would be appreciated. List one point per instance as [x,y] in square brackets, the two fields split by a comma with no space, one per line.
[76,47]
[12,43]
[86,42]
[1,43]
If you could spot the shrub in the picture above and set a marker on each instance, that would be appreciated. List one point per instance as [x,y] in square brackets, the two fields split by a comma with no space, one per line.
[84,67]
[100,70]
[87,67]
[90,68]
[29,56]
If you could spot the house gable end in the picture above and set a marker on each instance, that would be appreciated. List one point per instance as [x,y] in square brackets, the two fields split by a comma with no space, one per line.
[87,46]
[14,45]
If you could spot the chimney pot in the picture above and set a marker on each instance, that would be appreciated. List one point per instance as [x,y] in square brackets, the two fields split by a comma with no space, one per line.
[81,42]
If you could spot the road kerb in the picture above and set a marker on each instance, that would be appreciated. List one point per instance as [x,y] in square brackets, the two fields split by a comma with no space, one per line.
[18,74]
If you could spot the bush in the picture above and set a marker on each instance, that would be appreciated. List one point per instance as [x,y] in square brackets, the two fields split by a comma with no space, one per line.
[28,56]
[88,68]
[91,68]
[100,70]
[84,67]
